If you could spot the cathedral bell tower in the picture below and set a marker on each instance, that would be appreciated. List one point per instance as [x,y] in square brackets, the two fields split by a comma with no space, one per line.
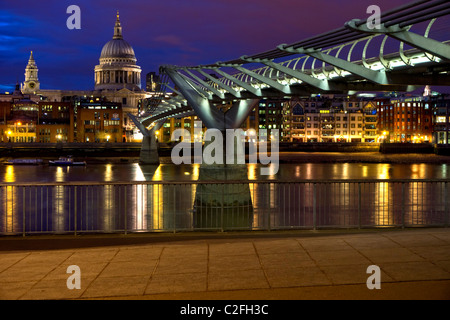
[31,83]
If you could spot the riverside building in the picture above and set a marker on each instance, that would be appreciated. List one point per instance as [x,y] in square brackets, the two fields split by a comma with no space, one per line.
[441,119]
[27,120]
[405,119]
[329,119]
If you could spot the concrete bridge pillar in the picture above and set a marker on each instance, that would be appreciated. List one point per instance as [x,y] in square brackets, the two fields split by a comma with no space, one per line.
[223,205]
[219,205]
[149,151]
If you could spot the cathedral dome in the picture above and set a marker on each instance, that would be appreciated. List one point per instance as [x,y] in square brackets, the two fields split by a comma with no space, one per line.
[117,68]
[117,48]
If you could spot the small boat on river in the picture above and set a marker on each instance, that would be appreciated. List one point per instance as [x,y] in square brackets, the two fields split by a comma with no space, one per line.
[33,162]
[66,161]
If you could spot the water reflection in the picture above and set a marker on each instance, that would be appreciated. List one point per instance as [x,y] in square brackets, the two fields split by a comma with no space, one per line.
[10,175]
[60,174]
[345,174]
[170,172]
[157,207]
[157,175]
[381,205]
[108,172]
[140,213]
[108,202]
[9,195]
[161,207]
[58,206]
[365,170]
[384,171]
[309,171]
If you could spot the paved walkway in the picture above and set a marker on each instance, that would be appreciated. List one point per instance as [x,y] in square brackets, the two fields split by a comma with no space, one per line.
[414,264]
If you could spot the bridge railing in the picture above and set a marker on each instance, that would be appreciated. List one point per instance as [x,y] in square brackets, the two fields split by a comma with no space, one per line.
[321,70]
[155,206]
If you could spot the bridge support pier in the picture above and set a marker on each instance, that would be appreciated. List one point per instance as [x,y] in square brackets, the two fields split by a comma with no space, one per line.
[149,151]
[223,205]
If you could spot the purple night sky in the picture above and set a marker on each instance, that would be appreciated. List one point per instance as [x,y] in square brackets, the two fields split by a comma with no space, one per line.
[181,32]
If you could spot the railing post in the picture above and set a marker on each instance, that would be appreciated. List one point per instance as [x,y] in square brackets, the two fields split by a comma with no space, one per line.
[403,204]
[23,217]
[270,210]
[174,210]
[75,212]
[125,210]
[221,208]
[446,205]
[314,206]
[359,205]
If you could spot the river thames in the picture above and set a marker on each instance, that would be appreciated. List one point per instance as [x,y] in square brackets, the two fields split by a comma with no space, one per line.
[307,191]
[293,166]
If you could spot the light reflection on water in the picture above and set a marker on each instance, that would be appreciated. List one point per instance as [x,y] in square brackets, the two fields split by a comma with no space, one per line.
[170,172]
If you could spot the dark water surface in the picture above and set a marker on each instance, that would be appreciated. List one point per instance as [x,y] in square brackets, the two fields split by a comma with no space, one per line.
[261,205]
[286,171]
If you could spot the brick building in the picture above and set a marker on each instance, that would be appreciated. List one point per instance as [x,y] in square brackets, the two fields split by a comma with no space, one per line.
[405,119]
[99,121]
[23,119]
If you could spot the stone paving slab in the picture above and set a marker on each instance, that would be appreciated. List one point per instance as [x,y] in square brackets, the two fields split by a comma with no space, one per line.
[293,264]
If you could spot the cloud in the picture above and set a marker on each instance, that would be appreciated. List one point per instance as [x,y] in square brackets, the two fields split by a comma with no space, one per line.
[170,40]
[175,41]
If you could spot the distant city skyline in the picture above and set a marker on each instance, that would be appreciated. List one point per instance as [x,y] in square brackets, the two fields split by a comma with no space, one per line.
[172,32]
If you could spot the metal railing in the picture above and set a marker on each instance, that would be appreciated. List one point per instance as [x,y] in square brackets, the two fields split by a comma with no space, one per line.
[155,206]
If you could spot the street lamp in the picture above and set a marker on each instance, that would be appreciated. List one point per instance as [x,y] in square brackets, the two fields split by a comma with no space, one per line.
[107,138]
[251,133]
[16,129]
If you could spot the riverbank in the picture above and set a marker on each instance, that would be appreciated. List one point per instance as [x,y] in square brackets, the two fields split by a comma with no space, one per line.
[289,158]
